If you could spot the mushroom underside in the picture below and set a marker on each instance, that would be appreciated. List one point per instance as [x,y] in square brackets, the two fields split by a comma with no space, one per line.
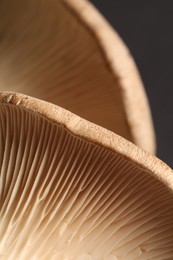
[64,197]
[47,50]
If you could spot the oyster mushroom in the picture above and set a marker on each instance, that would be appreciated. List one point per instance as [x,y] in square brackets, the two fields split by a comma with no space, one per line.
[71,189]
[66,53]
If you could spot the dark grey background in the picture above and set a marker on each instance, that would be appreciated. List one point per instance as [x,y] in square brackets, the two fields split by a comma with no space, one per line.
[147,29]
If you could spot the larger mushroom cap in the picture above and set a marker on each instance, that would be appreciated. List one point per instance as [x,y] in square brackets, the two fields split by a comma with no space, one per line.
[73,190]
[66,53]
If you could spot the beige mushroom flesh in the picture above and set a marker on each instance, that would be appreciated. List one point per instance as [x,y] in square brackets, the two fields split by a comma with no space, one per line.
[71,190]
[64,52]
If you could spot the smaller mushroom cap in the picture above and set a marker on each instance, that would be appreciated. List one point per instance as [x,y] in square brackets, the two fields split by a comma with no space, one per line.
[65,52]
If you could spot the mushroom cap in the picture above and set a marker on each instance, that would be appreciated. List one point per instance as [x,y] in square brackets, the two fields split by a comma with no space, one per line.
[66,53]
[71,189]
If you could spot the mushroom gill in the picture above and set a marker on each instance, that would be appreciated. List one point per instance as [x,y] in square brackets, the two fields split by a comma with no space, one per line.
[64,52]
[68,193]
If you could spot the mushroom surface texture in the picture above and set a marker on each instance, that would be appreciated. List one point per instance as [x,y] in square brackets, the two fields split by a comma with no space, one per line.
[64,52]
[72,190]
